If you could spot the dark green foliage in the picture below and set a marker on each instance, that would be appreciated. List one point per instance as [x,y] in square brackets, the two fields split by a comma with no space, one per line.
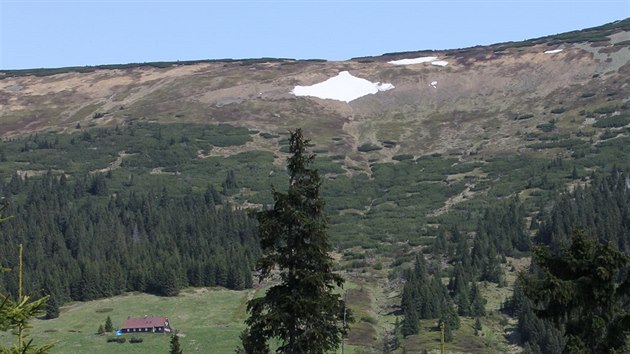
[477,302]
[477,326]
[165,282]
[558,110]
[425,297]
[175,346]
[439,244]
[605,110]
[402,157]
[570,144]
[52,307]
[458,286]
[86,246]
[100,330]
[609,134]
[411,323]
[119,340]
[134,340]
[523,116]
[613,122]
[302,312]
[503,226]
[547,127]
[98,185]
[369,147]
[109,326]
[268,135]
[16,315]
[601,210]
[389,144]
[448,331]
[583,291]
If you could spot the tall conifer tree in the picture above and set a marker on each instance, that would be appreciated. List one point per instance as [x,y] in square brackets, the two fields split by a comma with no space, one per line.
[583,291]
[302,312]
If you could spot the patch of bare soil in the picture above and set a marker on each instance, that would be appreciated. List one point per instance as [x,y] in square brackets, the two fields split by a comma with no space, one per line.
[115,164]
[454,200]
[31,173]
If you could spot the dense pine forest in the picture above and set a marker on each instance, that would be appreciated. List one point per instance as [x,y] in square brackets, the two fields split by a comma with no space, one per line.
[82,245]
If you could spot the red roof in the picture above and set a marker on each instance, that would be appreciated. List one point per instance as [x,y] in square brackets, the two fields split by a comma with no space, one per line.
[145,322]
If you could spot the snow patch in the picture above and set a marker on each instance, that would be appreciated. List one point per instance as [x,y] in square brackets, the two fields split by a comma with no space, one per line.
[343,87]
[412,61]
[553,51]
[439,63]
[432,60]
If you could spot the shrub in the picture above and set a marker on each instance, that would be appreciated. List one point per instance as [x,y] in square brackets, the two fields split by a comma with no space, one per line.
[389,143]
[547,127]
[609,135]
[523,116]
[403,157]
[613,122]
[368,147]
[605,110]
[268,135]
[136,340]
[558,110]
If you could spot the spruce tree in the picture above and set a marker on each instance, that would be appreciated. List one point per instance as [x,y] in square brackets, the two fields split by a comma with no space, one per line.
[302,312]
[410,324]
[109,327]
[175,346]
[584,292]
[477,302]
[52,308]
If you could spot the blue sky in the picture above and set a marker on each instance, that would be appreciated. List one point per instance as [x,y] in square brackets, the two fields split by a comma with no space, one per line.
[45,33]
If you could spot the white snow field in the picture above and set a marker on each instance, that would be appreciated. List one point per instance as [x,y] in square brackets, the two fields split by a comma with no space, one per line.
[412,61]
[553,51]
[343,87]
[439,63]
[432,60]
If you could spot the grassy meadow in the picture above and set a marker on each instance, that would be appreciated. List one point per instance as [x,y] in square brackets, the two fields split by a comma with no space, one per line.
[208,320]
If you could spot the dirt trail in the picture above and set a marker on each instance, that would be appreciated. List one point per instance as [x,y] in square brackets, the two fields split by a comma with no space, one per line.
[115,164]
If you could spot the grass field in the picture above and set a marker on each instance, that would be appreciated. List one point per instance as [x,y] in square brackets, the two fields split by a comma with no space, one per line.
[208,321]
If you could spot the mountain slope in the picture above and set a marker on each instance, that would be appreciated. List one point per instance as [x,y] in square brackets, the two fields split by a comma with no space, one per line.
[486,121]
[471,108]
